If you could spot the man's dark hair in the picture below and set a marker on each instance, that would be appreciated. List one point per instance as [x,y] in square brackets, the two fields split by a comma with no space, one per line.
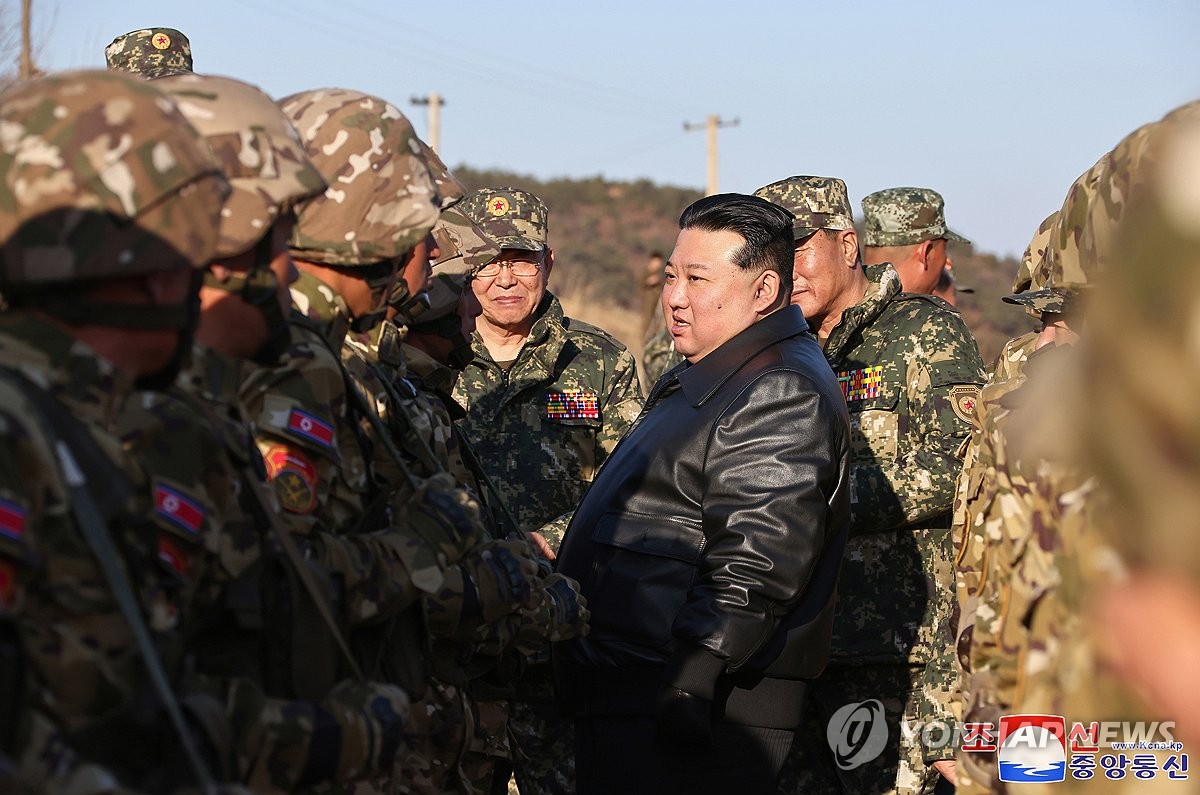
[766,227]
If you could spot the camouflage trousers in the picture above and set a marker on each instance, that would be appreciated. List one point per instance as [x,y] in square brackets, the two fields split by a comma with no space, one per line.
[545,758]
[979,772]
[899,767]
[489,745]
[440,726]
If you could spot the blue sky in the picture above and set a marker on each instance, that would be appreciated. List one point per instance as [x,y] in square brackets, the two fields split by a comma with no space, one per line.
[997,105]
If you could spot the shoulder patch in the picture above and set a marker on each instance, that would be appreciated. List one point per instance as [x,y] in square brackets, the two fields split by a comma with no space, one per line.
[573,404]
[293,478]
[12,520]
[963,399]
[8,584]
[309,426]
[177,509]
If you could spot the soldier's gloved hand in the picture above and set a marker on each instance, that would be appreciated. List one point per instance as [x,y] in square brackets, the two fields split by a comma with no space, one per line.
[505,574]
[559,613]
[373,718]
[684,720]
[445,516]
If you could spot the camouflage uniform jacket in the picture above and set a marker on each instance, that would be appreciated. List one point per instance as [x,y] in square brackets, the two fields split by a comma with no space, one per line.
[543,427]
[910,372]
[314,454]
[252,652]
[82,672]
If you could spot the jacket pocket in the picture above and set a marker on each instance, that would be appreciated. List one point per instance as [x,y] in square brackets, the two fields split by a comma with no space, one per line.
[645,566]
[875,427]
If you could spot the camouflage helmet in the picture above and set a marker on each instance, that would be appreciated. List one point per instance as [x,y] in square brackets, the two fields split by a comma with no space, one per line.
[464,249]
[101,175]
[816,203]
[381,200]
[151,53]
[258,148]
[1136,414]
[514,218]
[1080,246]
[449,190]
[1034,253]
[905,217]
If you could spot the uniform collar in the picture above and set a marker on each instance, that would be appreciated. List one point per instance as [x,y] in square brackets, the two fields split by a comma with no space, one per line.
[883,284]
[323,307]
[546,338]
[700,381]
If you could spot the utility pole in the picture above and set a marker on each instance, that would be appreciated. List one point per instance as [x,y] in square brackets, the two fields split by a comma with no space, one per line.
[714,122]
[434,102]
[26,69]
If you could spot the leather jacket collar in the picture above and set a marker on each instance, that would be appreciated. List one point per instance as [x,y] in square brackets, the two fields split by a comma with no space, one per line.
[701,380]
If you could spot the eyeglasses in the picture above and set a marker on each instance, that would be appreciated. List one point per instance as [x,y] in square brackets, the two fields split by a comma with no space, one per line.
[517,267]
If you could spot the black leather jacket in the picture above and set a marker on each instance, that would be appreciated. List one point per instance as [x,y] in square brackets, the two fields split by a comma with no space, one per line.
[709,544]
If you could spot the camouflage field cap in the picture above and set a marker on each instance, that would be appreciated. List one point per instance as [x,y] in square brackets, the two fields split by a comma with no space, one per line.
[816,202]
[258,149]
[512,217]
[151,53]
[905,216]
[101,175]
[381,200]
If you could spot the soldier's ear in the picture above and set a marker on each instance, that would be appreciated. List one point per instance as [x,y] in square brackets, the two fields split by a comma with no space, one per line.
[848,239]
[548,262]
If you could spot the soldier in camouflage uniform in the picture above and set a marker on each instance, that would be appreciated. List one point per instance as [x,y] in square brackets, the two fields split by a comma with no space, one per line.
[110,206]
[1034,509]
[486,656]
[547,398]
[907,228]
[151,53]
[911,372]
[337,292]
[489,588]
[256,639]
[1139,436]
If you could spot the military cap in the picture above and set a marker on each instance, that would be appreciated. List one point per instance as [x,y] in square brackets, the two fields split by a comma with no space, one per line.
[150,52]
[816,203]
[513,218]
[79,206]
[904,216]
[381,200]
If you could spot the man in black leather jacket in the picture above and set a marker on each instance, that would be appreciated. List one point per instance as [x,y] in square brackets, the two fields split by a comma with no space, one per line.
[709,544]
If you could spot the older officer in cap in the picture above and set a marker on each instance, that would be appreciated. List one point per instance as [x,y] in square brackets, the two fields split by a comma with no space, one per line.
[547,398]
[910,372]
[151,53]
[907,227]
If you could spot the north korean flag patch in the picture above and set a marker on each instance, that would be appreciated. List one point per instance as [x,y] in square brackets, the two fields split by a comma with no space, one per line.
[572,404]
[307,426]
[179,510]
[12,520]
